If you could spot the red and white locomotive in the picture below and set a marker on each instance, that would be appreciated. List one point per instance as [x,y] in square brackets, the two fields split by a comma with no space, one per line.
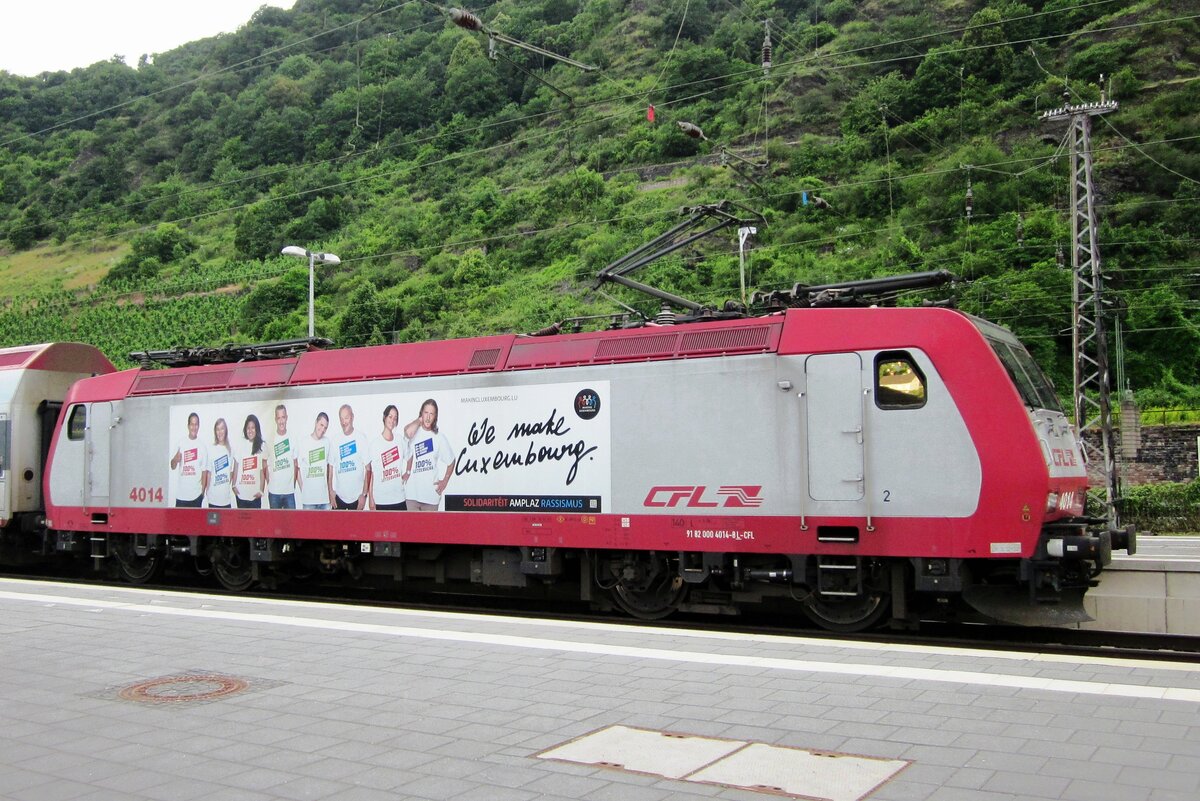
[851,463]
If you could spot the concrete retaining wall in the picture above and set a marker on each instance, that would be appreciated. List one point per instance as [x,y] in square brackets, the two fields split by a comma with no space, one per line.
[1155,597]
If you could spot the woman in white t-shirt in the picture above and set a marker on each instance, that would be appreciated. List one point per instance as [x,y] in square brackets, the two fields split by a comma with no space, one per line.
[429,452]
[252,466]
[388,454]
[220,488]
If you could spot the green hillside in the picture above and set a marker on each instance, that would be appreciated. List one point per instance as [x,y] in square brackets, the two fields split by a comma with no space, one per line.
[145,207]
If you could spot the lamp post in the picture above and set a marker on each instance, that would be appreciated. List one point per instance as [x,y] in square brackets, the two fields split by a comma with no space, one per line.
[313,258]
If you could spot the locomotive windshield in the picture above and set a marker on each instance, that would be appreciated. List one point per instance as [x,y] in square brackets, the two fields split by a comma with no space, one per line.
[1031,383]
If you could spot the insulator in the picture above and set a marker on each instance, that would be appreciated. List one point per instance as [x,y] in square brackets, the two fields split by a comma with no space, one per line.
[665,316]
[1020,229]
[766,53]
[465,19]
[691,130]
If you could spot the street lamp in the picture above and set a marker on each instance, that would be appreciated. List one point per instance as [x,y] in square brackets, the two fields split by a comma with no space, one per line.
[313,258]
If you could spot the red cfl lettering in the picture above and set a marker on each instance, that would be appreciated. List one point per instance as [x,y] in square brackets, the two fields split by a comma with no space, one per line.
[1063,457]
[692,496]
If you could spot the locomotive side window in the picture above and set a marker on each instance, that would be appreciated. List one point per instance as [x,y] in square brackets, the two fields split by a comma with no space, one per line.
[77,422]
[899,382]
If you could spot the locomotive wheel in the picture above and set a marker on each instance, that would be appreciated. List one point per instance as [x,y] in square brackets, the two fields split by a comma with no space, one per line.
[650,604]
[653,593]
[138,569]
[849,615]
[231,564]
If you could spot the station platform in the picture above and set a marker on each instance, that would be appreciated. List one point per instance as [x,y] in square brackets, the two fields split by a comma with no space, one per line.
[1156,591]
[118,692]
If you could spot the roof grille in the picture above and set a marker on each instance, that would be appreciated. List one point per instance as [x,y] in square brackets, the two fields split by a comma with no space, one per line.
[484,358]
[262,374]
[633,347]
[750,338]
[209,380]
[151,383]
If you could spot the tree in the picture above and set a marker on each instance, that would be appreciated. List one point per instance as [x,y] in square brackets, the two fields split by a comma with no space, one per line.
[365,319]
[274,300]
[260,230]
[472,86]
[29,227]
[987,57]
[937,82]
[150,252]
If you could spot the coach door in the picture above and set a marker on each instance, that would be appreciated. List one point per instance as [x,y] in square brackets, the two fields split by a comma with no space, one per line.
[835,427]
[5,456]
[99,454]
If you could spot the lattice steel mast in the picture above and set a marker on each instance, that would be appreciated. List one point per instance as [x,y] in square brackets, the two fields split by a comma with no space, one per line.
[1092,383]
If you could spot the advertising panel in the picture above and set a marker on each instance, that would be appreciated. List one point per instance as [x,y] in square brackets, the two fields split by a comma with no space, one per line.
[517,449]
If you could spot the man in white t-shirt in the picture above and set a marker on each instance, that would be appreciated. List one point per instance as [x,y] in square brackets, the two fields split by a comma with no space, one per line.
[281,465]
[191,459]
[352,463]
[430,462]
[316,466]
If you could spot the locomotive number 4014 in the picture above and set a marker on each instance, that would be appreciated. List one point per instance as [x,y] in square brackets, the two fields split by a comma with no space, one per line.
[146,495]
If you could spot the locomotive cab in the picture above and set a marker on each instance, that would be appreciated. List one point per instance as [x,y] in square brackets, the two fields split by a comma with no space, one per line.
[1070,552]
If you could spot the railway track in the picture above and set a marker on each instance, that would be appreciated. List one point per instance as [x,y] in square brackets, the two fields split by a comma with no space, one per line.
[973,636]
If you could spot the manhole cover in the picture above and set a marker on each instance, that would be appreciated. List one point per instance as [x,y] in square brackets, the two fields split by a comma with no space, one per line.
[174,689]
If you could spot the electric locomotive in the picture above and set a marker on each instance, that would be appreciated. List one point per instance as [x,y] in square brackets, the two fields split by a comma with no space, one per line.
[859,465]
[855,463]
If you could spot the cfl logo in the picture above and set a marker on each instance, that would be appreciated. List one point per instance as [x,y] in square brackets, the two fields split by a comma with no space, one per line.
[692,496]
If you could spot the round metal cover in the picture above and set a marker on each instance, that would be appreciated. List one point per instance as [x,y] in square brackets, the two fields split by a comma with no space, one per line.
[176,689]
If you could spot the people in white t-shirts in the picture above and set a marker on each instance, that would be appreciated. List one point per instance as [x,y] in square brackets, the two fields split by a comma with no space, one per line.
[316,467]
[282,464]
[191,460]
[250,478]
[430,461]
[352,463]
[389,452]
[220,486]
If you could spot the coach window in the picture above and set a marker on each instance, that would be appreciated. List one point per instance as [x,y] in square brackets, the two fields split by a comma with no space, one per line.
[77,422]
[899,382]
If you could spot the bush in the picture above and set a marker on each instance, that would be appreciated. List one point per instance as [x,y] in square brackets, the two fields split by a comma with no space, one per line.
[1166,507]
[150,252]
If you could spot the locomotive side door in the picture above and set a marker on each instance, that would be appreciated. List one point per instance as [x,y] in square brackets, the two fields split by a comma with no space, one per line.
[835,427]
[99,454]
